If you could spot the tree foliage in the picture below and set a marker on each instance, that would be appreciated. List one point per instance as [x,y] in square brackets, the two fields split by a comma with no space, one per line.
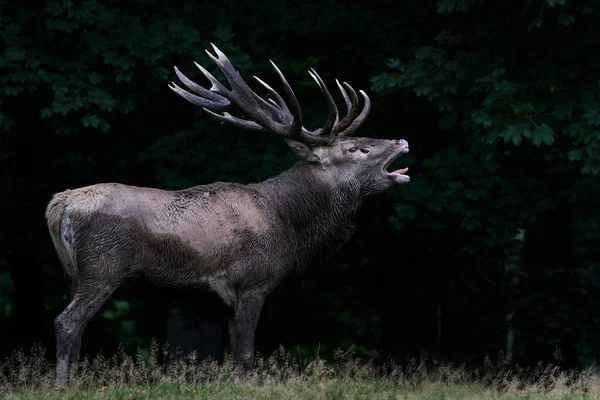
[515,91]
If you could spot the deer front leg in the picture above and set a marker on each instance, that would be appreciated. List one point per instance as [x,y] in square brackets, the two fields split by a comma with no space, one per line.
[231,332]
[247,311]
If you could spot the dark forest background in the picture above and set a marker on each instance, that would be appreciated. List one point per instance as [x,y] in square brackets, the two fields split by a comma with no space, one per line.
[493,246]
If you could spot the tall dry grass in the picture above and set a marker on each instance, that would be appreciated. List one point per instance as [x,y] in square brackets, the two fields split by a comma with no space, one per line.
[31,375]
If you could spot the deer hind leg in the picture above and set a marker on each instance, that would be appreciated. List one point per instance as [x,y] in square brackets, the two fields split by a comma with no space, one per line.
[74,357]
[75,350]
[247,311]
[69,325]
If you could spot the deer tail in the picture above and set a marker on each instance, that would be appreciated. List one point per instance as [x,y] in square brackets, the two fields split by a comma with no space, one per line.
[61,231]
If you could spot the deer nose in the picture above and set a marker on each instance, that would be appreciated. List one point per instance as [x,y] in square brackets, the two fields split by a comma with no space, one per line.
[401,142]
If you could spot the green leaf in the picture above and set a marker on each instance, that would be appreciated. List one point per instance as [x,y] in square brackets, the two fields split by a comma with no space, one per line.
[109,314]
[474,194]
[483,119]
[549,140]
[422,90]
[536,23]
[575,155]
[123,76]
[95,78]
[424,53]
[46,112]
[543,134]
[469,224]
[53,8]
[405,211]
[445,6]
[94,121]
[520,107]
[122,306]
[565,19]
[563,111]
[498,72]
[592,117]
[14,53]
[515,133]
[91,120]
[13,90]
[506,88]
[394,63]
[575,128]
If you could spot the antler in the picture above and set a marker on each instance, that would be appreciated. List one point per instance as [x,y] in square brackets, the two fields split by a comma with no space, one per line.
[273,115]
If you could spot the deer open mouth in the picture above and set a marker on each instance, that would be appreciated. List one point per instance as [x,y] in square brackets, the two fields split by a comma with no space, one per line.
[398,175]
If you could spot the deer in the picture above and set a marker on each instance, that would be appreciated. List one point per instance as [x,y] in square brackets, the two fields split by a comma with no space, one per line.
[239,241]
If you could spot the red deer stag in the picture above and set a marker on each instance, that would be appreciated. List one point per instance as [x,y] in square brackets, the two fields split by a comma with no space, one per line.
[239,241]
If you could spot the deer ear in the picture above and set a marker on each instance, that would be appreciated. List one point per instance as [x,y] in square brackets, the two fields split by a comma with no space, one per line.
[304,151]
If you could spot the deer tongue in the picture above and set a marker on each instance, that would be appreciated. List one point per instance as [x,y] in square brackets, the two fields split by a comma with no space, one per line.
[400,171]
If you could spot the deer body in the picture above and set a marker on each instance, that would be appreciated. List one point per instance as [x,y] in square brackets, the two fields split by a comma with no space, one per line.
[213,235]
[239,241]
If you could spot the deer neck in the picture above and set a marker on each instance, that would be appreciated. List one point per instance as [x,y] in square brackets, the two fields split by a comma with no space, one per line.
[317,210]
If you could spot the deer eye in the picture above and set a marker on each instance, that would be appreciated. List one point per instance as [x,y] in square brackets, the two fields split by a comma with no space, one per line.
[364,151]
[352,149]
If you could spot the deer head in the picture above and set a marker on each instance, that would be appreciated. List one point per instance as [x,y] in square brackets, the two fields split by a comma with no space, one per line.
[329,149]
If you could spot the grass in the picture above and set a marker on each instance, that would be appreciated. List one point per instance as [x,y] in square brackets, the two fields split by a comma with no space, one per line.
[30,376]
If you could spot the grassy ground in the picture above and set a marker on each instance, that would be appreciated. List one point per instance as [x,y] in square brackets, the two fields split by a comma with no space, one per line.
[30,376]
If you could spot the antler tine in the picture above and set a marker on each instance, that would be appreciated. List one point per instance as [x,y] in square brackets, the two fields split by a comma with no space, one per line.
[294,105]
[361,117]
[344,94]
[230,119]
[206,98]
[351,104]
[199,101]
[273,101]
[279,102]
[214,98]
[333,117]
[200,90]
[216,86]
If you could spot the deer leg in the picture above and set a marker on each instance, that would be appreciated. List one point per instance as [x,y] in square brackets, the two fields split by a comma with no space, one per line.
[247,311]
[75,350]
[232,335]
[69,326]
